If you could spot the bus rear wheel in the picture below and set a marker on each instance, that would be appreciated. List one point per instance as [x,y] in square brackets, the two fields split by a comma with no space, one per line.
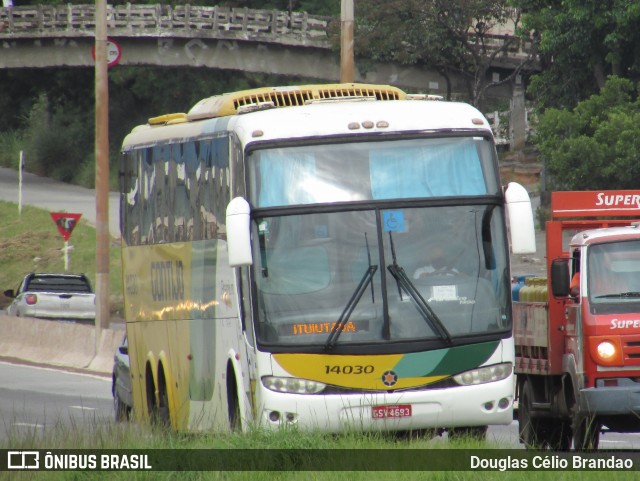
[233,405]
[162,415]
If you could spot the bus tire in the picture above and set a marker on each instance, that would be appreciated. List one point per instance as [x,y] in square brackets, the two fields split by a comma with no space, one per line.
[150,388]
[232,401]
[477,433]
[163,417]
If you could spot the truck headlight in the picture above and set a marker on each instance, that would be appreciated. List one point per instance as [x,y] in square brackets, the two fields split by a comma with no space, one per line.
[606,350]
[292,385]
[482,375]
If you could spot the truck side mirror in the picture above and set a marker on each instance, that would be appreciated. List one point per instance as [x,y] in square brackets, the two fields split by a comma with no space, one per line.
[239,233]
[560,280]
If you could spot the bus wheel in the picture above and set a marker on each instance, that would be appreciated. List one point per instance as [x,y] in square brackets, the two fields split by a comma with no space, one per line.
[151,394]
[477,433]
[586,433]
[232,401]
[528,426]
[163,417]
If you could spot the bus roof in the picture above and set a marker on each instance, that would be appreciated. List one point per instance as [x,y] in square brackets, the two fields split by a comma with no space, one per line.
[323,116]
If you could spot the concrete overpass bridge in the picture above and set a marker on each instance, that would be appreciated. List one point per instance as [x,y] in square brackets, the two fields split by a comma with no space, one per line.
[259,41]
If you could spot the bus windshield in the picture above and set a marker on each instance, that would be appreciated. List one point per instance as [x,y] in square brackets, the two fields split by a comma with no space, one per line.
[399,274]
[362,171]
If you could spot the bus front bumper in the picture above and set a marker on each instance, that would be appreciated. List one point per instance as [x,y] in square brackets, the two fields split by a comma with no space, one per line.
[479,405]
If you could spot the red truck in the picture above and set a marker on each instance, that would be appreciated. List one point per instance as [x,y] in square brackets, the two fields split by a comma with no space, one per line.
[578,353]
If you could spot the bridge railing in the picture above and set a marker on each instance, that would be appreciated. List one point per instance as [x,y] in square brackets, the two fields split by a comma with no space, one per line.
[179,20]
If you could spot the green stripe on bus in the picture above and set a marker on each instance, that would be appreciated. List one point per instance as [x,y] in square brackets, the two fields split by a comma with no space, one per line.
[445,362]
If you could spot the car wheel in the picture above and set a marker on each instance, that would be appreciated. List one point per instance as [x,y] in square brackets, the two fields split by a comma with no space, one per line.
[122,411]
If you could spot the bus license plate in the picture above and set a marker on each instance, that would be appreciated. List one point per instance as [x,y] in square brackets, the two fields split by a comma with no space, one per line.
[395,411]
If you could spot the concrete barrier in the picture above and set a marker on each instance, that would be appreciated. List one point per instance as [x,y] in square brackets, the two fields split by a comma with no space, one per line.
[58,343]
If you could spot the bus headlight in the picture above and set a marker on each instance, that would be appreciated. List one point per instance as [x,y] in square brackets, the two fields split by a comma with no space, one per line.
[484,374]
[606,350]
[292,385]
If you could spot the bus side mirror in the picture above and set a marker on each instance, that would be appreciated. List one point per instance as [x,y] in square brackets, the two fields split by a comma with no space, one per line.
[560,280]
[239,233]
[521,225]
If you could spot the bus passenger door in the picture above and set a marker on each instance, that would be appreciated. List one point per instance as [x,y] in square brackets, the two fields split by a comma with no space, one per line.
[246,318]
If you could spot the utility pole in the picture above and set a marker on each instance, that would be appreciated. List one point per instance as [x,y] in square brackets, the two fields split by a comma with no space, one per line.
[102,171]
[347,69]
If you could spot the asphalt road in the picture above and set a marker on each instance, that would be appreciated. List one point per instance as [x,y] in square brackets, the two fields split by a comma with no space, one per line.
[35,401]
[57,197]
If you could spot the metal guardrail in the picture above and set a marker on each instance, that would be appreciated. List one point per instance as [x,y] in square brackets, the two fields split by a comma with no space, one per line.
[162,20]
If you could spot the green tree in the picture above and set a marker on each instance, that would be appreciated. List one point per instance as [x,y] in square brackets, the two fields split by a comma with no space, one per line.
[596,145]
[453,37]
[580,43]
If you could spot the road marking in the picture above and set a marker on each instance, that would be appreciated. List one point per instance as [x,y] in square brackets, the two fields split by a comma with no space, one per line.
[84,408]
[29,425]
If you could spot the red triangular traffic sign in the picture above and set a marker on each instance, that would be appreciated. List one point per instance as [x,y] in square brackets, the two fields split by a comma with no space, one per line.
[65,222]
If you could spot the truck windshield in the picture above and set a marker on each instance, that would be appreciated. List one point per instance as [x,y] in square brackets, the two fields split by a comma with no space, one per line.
[391,274]
[614,276]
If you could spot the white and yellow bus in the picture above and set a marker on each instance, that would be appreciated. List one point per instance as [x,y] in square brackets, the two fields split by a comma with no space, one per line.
[283,259]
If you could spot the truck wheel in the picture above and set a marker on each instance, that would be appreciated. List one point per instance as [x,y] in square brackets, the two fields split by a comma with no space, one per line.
[559,435]
[529,427]
[586,433]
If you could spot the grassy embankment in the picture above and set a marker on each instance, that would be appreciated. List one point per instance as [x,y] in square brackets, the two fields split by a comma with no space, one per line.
[106,435]
[30,242]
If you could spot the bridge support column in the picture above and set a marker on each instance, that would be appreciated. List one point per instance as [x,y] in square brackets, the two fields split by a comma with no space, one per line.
[518,122]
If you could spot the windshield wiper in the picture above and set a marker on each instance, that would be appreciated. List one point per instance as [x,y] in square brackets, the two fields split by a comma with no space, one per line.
[423,307]
[619,295]
[353,302]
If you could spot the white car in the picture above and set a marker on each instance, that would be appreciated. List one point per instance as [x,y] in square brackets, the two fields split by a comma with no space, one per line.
[121,382]
[53,296]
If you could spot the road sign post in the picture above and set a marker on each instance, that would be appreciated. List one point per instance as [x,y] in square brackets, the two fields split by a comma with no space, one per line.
[20,176]
[65,223]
